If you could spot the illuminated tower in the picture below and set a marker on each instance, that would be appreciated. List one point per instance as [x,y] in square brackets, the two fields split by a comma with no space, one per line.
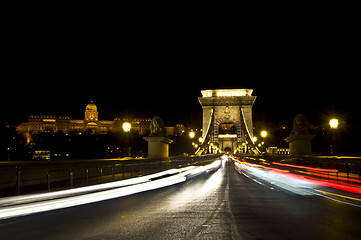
[91,112]
[227,119]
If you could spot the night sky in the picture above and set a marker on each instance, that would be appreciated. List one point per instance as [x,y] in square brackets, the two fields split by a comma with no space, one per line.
[175,100]
[57,67]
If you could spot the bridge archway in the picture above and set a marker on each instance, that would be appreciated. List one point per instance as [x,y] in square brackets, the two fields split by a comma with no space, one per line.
[227,128]
[227,119]
[228,136]
[227,150]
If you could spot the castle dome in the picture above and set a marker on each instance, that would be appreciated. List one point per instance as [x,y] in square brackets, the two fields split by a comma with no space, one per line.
[91,106]
[91,112]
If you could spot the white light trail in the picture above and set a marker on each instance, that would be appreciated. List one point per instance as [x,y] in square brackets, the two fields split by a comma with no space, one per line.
[122,188]
[87,189]
[37,207]
[281,180]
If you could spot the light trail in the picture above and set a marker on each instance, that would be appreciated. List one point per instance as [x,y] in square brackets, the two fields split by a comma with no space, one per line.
[281,179]
[305,183]
[144,184]
[307,168]
[325,173]
[30,208]
[81,190]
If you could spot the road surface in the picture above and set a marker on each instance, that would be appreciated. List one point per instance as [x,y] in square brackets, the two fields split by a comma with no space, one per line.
[222,204]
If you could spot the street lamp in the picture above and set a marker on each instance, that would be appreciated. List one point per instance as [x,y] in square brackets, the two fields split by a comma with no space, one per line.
[264,133]
[192,134]
[126,126]
[8,154]
[334,125]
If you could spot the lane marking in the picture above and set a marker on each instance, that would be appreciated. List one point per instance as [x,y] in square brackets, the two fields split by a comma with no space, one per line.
[233,226]
[338,195]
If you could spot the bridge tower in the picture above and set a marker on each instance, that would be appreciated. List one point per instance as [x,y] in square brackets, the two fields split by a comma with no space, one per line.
[227,120]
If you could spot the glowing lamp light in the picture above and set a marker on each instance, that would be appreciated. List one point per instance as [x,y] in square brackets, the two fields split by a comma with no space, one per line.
[192,134]
[264,133]
[126,126]
[254,139]
[333,123]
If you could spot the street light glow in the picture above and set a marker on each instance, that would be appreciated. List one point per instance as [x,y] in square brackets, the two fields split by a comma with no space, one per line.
[264,133]
[333,123]
[192,134]
[126,126]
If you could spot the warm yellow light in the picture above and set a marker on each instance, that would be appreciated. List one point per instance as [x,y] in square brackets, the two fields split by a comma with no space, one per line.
[254,139]
[200,139]
[192,134]
[126,126]
[264,133]
[333,123]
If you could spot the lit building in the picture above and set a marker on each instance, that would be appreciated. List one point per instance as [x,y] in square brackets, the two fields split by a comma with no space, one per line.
[91,124]
[174,131]
[278,151]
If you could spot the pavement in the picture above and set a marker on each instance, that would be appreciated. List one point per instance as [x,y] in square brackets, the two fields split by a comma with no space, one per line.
[221,204]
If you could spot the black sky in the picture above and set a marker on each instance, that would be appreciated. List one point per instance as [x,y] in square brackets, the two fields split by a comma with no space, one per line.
[146,69]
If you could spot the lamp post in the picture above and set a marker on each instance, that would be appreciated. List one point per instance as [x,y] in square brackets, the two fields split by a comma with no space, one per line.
[126,128]
[334,125]
[8,154]
[192,135]
[263,134]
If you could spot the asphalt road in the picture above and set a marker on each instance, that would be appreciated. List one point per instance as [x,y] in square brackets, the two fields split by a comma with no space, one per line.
[216,205]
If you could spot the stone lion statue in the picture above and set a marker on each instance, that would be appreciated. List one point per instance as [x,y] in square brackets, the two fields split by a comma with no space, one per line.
[157,127]
[300,125]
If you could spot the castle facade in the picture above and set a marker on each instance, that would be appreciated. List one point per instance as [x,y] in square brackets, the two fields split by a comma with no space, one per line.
[90,124]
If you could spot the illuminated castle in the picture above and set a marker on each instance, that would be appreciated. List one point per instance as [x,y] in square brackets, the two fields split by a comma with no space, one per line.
[91,124]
